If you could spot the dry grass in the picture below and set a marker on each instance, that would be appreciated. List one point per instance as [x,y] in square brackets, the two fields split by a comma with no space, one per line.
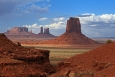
[88,73]
[58,54]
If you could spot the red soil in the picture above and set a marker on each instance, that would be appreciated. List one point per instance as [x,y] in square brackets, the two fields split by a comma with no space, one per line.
[100,61]
[72,38]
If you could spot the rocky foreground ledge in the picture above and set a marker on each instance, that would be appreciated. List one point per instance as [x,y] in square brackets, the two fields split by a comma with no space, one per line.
[18,61]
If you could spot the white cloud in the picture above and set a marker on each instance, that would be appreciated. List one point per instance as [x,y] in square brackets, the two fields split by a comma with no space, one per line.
[22,6]
[92,25]
[32,8]
[58,25]
[87,14]
[55,25]
[59,19]
[33,26]
[42,19]
[105,18]
[98,25]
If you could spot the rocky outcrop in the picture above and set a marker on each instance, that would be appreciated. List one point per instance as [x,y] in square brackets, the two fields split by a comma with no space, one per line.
[95,63]
[16,60]
[41,30]
[23,32]
[46,31]
[72,36]
[16,30]
[73,25]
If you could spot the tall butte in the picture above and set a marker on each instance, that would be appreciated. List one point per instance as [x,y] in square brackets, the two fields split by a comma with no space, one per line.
[73,35]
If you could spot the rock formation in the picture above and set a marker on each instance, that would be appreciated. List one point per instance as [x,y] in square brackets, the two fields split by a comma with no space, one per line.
[73,25]
[99,62]
[18,61]
[23,32]
[72,36]
[17,30]
[41,30]
[46,31]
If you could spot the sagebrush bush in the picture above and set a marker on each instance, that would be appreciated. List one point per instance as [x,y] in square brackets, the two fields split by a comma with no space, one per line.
[109,41]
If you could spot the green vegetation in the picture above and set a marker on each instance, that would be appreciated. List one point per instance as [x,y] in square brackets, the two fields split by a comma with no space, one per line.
[85,73]
[109,41]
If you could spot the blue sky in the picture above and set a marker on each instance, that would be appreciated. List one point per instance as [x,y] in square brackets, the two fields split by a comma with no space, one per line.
[97,17]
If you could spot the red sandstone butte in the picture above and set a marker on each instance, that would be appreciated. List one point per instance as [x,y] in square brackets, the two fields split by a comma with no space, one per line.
[73,25]
[23,32]
[73,35]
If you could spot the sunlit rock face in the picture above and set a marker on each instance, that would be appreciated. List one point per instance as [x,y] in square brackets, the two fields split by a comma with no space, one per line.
[73,25]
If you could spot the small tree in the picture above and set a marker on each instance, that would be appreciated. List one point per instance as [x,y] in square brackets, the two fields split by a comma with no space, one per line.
[109,41]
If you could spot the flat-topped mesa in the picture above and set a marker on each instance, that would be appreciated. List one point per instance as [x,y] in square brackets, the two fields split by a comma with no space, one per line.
[73,25]
[18,30]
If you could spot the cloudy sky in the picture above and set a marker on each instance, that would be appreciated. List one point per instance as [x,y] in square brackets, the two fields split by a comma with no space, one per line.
[97,17]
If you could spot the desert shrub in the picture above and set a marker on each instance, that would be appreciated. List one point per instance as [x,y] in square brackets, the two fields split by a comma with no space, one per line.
[107,65]
[80,74]
[85,73]
[109,41]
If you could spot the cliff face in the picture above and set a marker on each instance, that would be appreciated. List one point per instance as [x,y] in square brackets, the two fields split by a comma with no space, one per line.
[41,30]
[18,30]
[73,35]
[46,31]
[21,61]
[73,25]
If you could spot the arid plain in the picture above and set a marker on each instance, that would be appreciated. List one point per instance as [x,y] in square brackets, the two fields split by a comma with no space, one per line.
[59,53]
[71,54]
